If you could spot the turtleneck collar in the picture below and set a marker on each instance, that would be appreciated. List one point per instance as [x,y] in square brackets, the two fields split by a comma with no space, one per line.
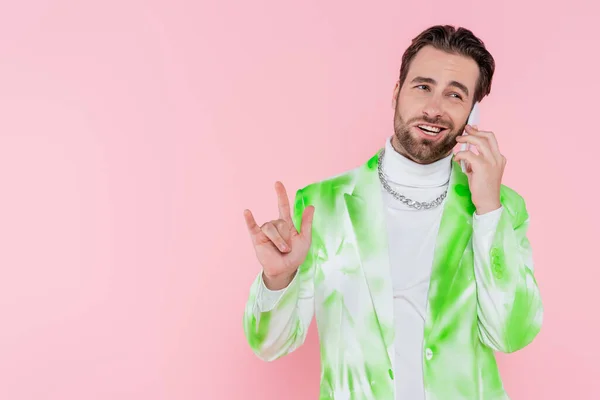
[403,171]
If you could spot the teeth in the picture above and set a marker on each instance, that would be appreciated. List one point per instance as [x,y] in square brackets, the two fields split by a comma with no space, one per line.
[430,129]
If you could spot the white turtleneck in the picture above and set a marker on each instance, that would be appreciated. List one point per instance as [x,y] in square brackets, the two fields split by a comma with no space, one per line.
[412,234]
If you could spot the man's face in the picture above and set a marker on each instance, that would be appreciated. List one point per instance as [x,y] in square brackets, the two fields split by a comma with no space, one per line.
[433,105]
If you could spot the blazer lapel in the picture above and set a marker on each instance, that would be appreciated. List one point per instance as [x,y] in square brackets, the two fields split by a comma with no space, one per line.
[366,213]
[453,237]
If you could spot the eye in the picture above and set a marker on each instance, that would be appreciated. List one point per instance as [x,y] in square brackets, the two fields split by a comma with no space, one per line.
[422,87]
[456,95]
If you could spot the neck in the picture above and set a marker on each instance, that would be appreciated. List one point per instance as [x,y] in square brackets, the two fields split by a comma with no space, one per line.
[403,170]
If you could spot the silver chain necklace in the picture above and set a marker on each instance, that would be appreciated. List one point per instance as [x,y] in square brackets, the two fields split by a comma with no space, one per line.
[411,203]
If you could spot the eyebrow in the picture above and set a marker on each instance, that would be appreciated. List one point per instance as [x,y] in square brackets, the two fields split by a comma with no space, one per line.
[421,79]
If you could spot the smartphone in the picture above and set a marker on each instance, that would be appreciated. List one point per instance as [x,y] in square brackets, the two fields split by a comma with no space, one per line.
[473,120]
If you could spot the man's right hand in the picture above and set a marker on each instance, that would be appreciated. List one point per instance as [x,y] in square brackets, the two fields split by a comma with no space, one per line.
[279,247]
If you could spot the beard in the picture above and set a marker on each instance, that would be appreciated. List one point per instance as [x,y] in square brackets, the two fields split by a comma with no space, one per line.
[422,150]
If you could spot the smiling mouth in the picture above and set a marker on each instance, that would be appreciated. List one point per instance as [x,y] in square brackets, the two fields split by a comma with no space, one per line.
[430,130]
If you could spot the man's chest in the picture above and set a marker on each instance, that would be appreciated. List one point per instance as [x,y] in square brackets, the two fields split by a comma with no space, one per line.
[411,246]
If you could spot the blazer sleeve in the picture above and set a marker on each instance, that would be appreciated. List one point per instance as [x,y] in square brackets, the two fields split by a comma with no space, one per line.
[276,322]
[509,306]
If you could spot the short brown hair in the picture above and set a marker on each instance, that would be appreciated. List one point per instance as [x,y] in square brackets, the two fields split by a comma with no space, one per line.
[459,41]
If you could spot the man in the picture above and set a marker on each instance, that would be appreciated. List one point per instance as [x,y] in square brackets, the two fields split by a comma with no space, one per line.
[416,271]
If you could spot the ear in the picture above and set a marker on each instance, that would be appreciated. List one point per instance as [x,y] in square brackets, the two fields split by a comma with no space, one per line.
[395,94]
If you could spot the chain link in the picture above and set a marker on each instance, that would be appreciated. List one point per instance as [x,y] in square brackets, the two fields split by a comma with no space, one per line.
[405,200]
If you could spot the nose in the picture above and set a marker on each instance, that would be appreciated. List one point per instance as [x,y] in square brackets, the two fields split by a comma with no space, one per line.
[433,109]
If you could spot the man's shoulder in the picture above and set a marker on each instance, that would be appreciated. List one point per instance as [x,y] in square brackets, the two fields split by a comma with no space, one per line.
[514,203]
[337,184]
[510,196]
[329,187]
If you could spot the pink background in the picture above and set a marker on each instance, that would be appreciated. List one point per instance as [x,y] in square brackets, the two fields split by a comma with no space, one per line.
[134,133]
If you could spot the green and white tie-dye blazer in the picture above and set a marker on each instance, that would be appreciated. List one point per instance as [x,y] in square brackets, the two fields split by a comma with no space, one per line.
[345,282]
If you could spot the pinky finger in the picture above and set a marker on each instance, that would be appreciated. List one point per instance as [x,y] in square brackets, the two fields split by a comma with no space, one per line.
[307,220]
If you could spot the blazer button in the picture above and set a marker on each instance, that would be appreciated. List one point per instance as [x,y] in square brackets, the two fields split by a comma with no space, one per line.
[498,269]
[428,354]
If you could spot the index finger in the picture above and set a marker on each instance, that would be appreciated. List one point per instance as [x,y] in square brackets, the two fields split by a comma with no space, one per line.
[490,137]
[251,224]
[283,202]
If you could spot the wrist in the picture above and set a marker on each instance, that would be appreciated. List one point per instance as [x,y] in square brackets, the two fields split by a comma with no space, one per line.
[486,208]
[278,282]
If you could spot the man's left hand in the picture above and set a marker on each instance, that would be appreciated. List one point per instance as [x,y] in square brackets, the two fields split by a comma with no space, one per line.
[484,170]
